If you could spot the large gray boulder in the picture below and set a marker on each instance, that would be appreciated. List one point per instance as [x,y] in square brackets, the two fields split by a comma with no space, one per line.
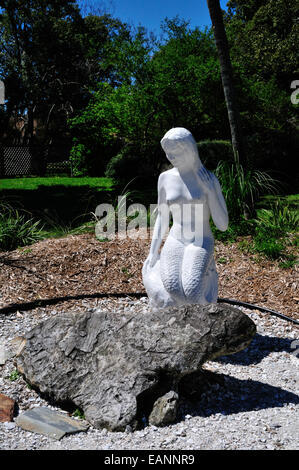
[115,366]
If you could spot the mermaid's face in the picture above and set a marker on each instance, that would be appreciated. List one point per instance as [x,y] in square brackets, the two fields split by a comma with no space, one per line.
[180,153]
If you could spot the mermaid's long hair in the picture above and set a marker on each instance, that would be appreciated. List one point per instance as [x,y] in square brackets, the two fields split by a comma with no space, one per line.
[184,137]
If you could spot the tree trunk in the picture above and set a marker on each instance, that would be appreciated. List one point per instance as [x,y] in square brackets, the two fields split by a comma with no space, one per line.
[227,79]
[30,126]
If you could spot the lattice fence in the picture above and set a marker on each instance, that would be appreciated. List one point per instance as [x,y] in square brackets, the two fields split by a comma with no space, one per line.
[18,161]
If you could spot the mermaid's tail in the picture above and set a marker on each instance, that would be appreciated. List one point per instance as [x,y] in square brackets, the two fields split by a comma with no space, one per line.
[160,298]
[154,287]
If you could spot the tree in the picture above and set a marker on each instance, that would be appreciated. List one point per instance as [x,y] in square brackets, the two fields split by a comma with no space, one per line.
[167,84]
[36,40]
[227,79]
[262,35]
[51,60]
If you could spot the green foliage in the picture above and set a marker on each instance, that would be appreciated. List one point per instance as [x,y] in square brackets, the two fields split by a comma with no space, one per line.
[130,119]
[242,188]
[265,34]
[292,199]
[14,375]
[56,227]
[211,152]
[95,134]
[271,232]
[262,47]
[63,204]
[295,241]
[176,82]
[272,227]
[235,229]
[110,92]
[78,413]
[222,260]
[78,159]
[52,63]
[266,242]
[41,40]
[131,162]
[279,217]
[17,230]
[125,163]
[288,263]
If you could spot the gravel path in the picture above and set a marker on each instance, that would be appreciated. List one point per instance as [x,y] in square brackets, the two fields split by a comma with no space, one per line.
[254,405]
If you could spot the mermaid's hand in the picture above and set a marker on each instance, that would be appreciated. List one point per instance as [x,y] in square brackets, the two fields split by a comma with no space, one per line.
[207,179]
[151,260]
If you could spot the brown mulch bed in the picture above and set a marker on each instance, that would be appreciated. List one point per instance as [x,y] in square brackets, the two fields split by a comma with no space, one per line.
[80,264]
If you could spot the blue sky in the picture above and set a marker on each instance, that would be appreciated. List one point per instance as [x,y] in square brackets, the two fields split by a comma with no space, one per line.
[150,13]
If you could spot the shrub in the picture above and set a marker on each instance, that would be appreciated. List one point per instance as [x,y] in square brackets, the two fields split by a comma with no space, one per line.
[266,242]
[133,161]
[242,188]
[279,217]
[17,230]
[78,160]
[235,229]
[125,164]
[271,225]
[211,152]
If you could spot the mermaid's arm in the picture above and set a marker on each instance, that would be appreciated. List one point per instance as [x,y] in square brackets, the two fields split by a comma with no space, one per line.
[161,224]
[218,207]
[216,200]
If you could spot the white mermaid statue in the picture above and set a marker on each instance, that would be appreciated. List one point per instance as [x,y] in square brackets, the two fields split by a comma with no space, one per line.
[184,271]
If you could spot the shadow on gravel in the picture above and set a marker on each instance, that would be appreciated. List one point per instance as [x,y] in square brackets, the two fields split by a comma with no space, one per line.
[259,348]
[229,395]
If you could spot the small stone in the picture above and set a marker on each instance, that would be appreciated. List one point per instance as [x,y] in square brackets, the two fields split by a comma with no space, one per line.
[164,409]
[17,344]
[3,355]
[213,308]
[49,423]
[181,433]
[9,425]
[154,428]
[6,408]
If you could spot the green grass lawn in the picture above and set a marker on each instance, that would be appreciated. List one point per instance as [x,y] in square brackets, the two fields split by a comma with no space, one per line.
[57,200]
[35,183]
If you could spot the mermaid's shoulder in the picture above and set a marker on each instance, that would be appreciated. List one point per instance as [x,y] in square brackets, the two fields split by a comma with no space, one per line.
[162,181]
[166,174]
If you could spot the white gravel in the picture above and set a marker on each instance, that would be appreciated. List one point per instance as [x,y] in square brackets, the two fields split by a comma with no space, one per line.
[254,407]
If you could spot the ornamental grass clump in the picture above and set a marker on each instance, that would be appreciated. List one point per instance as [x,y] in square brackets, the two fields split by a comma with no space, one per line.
[279,217]
[16,229]
[241,188]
